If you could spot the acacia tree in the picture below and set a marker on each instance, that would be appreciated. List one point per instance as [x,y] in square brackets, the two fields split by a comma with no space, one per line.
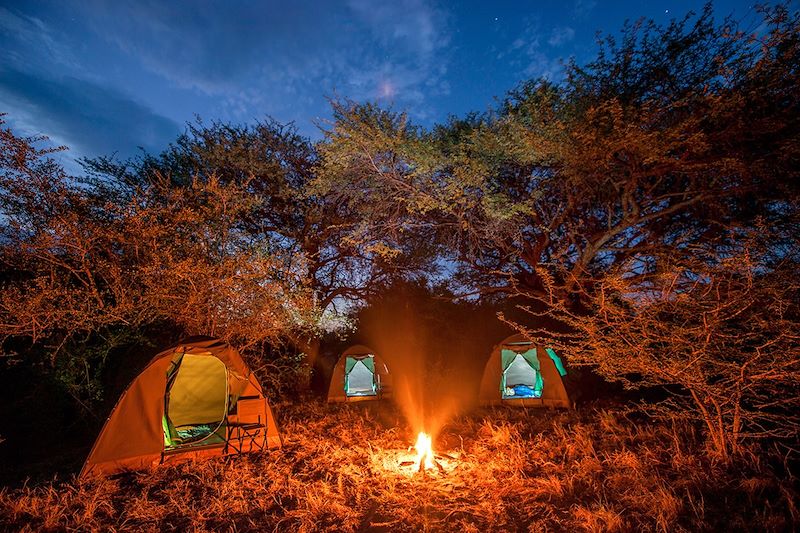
[721,326]
[270,161]
[696,285]
[674,137]
[80,260]
[669,131]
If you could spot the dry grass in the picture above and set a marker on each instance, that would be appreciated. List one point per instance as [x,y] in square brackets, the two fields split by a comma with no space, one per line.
[505,470]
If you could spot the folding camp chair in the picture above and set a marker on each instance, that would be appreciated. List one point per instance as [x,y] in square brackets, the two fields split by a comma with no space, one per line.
[248,432]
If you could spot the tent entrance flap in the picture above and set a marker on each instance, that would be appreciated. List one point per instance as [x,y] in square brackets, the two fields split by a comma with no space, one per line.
[521,377]
[520,373]
[196,404]
[359,379]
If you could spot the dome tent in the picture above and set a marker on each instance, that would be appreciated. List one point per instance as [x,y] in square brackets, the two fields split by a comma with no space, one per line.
[521,374]
[359,375]
[197,399]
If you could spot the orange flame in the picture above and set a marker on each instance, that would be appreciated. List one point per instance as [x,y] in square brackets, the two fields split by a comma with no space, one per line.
[424,451]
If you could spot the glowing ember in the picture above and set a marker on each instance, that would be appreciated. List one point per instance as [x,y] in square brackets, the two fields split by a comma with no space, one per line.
[424,451]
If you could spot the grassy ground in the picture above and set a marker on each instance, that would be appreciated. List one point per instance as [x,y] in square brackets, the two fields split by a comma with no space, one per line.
[503,470]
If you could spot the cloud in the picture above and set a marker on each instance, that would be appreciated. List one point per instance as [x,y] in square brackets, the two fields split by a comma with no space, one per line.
[284,54]
[203,45]
[21,35]
[540,65]
[532,59]
[409,23]
[102,76]
[90,119]
[45,90]
[584,7]
[418,32]
[561,35]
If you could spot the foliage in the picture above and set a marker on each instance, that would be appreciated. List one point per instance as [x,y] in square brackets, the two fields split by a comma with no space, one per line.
[724,330]
[699,290]
[79,369]
[660,158]
[80,260]
[274,164]
[309,230]
[675,130]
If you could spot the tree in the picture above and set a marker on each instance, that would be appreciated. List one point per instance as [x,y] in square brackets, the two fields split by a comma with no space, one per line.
[695,285]
[80,259]
[274,164]
[723,327]
[675,138]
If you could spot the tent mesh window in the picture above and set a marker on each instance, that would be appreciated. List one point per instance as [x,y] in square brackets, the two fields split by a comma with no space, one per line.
[521,374]
[196,402]
[359,376]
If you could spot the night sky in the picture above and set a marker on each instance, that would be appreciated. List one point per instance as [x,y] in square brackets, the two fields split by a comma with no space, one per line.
[106,77]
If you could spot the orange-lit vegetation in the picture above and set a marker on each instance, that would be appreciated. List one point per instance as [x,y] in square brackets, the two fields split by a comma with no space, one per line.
[648,206]
[83,258]
[590,470]
[641,216]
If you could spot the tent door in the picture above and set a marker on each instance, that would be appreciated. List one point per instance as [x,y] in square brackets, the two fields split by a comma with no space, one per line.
[521,379]
[196,403]
[359,377]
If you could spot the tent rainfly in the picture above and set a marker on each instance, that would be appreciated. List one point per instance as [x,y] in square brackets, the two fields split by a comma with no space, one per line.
[195,400]
[359,375]
[521,374]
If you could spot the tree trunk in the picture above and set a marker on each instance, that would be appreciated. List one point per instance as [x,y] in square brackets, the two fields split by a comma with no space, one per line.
[309,346]
[717,433]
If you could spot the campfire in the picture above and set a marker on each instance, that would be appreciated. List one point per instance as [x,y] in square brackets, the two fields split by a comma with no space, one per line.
[424,451]
[426,459]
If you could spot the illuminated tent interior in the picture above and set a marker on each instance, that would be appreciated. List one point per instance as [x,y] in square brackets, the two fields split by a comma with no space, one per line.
[521,374]
[197,399]
[359,375]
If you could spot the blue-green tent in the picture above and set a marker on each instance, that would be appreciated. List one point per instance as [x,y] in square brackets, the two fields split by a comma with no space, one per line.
[520,373]
[359,375]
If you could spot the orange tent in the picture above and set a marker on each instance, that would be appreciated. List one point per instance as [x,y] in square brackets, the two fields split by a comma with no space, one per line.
[359,375]
[521,374]
[197,399]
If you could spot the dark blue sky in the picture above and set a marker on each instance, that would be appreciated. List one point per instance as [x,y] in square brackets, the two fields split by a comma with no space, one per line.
[107,76]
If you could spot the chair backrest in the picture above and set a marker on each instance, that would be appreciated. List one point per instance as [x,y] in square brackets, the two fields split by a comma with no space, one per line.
[250,411]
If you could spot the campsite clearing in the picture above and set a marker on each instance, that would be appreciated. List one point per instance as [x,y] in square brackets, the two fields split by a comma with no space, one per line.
[595,468]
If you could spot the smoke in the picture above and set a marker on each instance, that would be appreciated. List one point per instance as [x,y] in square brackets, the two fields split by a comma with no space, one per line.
[436,351]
